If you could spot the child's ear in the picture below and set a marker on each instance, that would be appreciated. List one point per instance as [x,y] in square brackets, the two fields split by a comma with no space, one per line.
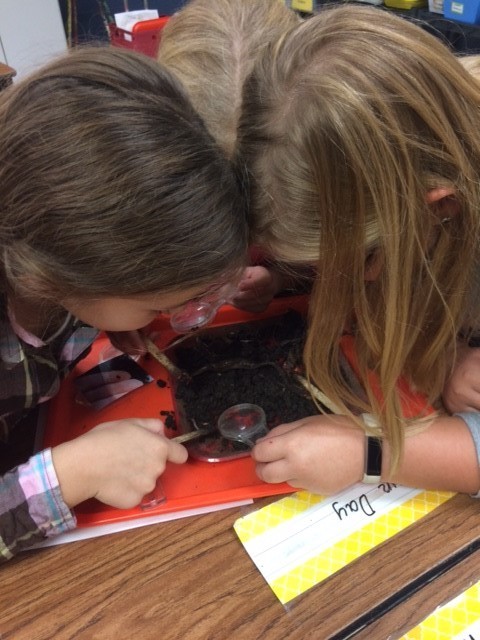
[443,203]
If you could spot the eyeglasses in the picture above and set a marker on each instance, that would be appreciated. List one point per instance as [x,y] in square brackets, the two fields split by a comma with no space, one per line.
[200,311]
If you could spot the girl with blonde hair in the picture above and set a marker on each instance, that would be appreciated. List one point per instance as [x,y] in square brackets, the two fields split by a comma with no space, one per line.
[211,46]
[116,204]
[361,133]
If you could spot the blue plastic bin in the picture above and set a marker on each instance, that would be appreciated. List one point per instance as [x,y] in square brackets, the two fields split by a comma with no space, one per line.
[462,10]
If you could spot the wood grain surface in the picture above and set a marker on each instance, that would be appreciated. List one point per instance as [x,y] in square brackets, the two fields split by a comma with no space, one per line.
[409,613]
[191,579]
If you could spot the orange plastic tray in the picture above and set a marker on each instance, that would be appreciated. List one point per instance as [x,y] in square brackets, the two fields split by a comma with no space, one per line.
[188,486]
[144,37]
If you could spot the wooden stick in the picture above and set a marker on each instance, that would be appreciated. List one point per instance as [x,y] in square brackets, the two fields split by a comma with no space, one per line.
[193,435]
[321,397]
[164,360]
[177,341]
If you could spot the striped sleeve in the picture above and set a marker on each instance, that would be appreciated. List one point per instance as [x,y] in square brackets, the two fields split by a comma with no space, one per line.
[31,506]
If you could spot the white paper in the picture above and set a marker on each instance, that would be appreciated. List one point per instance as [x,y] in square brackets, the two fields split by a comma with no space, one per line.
[128,19]
[301,540]
[84,533]
[278,551]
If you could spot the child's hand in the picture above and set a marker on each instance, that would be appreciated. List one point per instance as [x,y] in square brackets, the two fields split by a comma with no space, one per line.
[130,342]
[257,288]
[462,389]
[116,462]
[322,454]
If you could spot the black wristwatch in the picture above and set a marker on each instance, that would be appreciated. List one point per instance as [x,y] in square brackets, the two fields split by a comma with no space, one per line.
[373,453]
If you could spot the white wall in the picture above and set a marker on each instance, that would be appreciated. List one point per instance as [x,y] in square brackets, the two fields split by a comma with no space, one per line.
[31,32]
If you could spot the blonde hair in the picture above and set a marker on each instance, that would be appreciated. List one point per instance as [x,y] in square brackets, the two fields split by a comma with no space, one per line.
[211,46]
[110,183]
[347,124]
[472,64]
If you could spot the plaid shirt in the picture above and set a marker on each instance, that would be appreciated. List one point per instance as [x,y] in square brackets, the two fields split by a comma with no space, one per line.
[31,504]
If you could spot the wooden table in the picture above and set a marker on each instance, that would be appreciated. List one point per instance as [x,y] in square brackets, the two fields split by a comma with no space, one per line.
[191,579]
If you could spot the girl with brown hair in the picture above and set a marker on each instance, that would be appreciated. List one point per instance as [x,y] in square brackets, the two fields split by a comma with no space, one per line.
[115,205]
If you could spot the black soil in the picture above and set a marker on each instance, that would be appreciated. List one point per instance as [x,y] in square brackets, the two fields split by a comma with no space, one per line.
[254,362]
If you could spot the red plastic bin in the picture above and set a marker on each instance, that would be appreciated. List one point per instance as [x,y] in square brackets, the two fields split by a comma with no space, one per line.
[144,37]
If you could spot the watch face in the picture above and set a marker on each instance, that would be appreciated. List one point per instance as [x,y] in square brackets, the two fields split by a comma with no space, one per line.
[373,462]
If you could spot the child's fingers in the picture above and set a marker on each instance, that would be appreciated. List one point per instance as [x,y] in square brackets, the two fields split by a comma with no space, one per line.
[282,429]
[273,472]
[177,453]
[269,449]
[151,424]
[130,342]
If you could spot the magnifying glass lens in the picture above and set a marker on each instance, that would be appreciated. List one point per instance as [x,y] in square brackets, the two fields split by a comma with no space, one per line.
[243,423]
[192,316]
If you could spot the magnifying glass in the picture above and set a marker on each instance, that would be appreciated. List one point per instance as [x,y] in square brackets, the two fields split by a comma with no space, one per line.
[200,312]
[244,423]
[194,315]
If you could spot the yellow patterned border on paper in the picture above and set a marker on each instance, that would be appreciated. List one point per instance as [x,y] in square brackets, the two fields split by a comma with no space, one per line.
[315,569]
[452,619]
[345,551]
[275,514]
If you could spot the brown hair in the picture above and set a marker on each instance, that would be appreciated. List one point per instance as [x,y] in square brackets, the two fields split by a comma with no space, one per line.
[347,124]
[211,46]
[110,184]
